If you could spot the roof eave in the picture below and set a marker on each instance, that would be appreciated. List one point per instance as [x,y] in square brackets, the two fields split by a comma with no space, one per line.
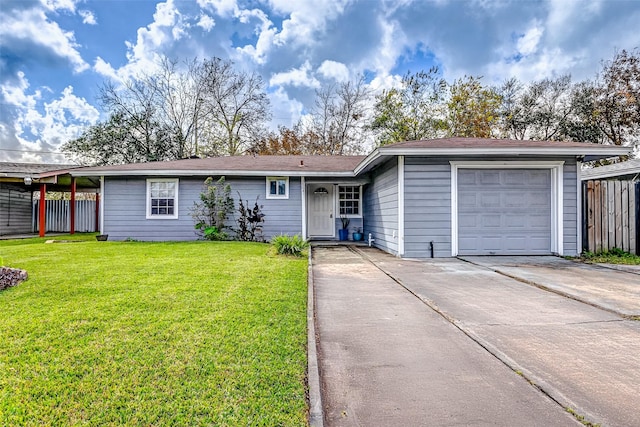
[602,151]
[205,172]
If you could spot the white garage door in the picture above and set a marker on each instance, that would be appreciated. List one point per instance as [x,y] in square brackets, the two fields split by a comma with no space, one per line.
[504,211]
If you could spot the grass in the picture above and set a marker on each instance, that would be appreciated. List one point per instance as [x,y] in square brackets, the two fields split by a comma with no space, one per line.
[615,256]
[132,333]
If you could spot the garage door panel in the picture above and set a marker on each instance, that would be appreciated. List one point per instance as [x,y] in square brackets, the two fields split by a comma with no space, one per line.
[504,212]
[540,178]
[468,221]
[517,178]
[491,221]
[488,178]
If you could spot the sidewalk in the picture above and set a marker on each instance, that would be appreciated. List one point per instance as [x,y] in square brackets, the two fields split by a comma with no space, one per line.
[387,359]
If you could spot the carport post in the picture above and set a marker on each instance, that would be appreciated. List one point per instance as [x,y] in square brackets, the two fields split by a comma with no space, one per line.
[43,211]
[98,212]
[72,227]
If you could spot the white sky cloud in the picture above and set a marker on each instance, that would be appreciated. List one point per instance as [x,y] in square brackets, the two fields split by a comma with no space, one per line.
[223,8]
[54,5]
[296,77]
[41,127]
[528,43]
[206,22]
[334,70]
[32,25]
[87,17]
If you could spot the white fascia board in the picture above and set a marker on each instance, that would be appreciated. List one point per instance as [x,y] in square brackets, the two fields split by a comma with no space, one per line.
[241,173]
[605,151]
[367,161]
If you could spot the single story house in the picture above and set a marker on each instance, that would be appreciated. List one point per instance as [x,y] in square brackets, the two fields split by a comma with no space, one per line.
[441,198]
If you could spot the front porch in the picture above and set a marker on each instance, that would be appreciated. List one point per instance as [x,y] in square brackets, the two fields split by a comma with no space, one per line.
[334,212]
[324,243]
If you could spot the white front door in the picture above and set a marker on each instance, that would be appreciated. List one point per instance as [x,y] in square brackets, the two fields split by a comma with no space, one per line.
[321,210]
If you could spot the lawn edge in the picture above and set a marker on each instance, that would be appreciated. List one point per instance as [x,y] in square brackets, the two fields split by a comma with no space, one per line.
[316,415]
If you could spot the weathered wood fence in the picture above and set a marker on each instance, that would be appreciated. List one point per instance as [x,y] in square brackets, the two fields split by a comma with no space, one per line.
[611,215]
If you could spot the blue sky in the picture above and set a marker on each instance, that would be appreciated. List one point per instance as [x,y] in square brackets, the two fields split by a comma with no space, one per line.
[54,54]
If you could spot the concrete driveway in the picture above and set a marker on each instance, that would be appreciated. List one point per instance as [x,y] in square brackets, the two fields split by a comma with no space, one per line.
[453,342]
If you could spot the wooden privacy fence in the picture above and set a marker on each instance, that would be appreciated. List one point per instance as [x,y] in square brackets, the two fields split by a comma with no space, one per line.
[58,214]
[611,215]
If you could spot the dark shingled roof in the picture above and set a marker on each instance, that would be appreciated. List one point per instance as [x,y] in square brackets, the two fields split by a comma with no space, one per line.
[293,163]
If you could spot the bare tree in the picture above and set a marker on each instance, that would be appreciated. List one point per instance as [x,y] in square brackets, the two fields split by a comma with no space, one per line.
[179,110]
[181,96]
[235,107]
[339,118]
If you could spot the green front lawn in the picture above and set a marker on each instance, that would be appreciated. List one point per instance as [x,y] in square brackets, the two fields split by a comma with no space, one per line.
[132,333]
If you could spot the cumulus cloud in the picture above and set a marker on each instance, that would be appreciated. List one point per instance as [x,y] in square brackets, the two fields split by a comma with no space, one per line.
[266,35]
[528,42]
[222,8]
[38,128]
[307,19]
[88,17]
[24,29]
[334,70]
[286,110]
[299,77]
[54,5]
[206,22]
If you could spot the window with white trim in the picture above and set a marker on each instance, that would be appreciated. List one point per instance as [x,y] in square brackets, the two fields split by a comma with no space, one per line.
[162,198]
[350,200]
[277,187]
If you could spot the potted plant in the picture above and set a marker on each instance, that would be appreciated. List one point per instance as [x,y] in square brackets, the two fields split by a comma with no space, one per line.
[357,235]
[344,231]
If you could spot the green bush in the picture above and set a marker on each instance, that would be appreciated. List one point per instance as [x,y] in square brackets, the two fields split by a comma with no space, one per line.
[290,245]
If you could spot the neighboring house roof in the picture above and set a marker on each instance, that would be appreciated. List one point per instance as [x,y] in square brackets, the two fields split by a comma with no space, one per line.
[22,170]
[349,166]
[292,165]
[630,168]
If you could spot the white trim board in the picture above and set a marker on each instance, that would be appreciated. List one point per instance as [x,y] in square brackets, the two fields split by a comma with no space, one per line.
[557,195]
[400,206]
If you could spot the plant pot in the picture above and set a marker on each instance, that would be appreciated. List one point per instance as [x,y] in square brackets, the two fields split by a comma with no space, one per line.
[357,237]
[102,237]
[343,234]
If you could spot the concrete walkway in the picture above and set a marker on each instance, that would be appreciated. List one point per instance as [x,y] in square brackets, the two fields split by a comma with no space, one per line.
[387,359]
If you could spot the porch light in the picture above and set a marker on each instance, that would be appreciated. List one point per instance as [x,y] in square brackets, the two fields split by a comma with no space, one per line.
[321,190]
[27,180]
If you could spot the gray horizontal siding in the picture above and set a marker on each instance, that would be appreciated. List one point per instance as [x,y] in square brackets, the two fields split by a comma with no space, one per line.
[381,207]
[427,200]
[570,209]
[428,206]
[15,210]
[125,209]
